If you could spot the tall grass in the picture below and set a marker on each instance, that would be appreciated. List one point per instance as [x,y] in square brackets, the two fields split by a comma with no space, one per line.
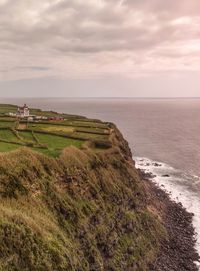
[81,211]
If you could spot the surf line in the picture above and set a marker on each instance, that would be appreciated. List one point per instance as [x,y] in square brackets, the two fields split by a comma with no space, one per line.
[177,184]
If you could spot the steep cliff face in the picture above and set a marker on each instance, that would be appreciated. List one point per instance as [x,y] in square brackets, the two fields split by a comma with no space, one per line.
[84,211]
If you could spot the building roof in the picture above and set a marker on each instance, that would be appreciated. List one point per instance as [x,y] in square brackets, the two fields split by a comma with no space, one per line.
[23,107]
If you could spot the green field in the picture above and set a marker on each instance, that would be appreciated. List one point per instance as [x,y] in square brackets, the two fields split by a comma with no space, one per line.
[57,142]
[6,134]
[6,147]
[50,137]
[4,123]
[27,136]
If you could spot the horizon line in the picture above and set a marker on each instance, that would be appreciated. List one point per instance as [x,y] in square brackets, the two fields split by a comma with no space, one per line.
[109,97]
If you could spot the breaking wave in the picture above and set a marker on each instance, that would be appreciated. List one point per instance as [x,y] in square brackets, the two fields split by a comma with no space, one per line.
[181,186]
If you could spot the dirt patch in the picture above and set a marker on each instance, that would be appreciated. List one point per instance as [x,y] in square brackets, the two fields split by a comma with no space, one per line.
[22,126]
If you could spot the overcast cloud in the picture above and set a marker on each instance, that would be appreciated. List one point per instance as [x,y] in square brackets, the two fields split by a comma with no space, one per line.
[109,42]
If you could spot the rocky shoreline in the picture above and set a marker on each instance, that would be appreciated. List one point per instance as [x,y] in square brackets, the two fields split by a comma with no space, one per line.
[178,251]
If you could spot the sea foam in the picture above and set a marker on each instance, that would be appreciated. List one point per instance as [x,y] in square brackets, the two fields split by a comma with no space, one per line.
[178,185]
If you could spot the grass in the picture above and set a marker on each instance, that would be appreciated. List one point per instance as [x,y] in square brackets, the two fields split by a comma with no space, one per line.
[82,211]
[58,128]
[92,130]
[26,136]
[7,147]
[8,135]
[50,137]
[91,124]
[6,108]
[50,145]
[87,136]
[48,152]
[48,222]
[57,142]
[51,128]
[7,123]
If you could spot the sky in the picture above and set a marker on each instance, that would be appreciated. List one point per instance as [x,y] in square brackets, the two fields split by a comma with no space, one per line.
[95,48]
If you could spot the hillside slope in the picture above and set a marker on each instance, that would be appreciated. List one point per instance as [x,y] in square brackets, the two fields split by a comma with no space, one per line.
[83,211]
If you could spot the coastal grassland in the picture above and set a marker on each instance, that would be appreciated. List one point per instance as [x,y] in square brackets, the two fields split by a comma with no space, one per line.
[11,139]
[57,142]
[53,128]
[82,211]
[87,135]
[51,136]
[71,199]
[7,147]
[8,135]
[48,144]
[6,123]
[27,136]
[6,108]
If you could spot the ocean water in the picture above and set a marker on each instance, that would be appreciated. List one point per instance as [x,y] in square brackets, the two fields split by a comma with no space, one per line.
[162,130]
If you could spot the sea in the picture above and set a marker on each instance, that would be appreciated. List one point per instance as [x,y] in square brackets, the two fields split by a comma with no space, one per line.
[164,136]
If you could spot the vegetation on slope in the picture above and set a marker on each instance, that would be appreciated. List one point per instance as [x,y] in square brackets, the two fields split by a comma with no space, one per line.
[82,211]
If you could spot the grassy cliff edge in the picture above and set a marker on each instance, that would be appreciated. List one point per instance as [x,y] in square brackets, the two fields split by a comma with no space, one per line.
[85,210]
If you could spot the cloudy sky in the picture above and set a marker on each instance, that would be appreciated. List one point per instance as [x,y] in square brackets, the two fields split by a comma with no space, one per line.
[99,48]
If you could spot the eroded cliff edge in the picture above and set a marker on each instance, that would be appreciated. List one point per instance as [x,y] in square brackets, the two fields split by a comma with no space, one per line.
[84,211]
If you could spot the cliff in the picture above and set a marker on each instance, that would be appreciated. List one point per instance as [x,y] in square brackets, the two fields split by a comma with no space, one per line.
[83,211]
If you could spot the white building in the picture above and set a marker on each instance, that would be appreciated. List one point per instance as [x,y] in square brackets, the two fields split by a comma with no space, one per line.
[23,111]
